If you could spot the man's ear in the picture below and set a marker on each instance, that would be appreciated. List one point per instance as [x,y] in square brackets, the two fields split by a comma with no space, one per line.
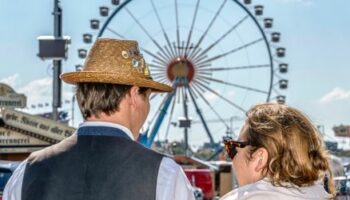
[133,95]
[260,158]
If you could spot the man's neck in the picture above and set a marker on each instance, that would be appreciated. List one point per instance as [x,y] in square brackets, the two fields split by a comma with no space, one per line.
[114,118]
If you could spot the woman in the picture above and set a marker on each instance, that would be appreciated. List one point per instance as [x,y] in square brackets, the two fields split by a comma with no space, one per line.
[279,155]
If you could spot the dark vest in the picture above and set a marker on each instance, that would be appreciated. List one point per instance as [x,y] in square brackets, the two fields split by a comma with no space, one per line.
[104,164]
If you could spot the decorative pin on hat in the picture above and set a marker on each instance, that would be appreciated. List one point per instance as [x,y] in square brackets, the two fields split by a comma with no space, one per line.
[117,62]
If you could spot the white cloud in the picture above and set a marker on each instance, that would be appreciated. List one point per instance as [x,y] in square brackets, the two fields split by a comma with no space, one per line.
[11,80]
[37,91]
[335,95]
[40,91]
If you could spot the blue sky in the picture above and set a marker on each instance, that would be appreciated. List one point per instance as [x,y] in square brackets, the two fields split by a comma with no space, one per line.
[314,32]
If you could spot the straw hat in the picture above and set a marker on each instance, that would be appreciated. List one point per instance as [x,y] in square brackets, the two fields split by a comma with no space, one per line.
[118,62]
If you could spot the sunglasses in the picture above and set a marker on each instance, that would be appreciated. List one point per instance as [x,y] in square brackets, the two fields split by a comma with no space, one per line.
[231,146]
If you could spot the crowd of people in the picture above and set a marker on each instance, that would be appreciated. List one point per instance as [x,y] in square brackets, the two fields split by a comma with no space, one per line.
[278,155]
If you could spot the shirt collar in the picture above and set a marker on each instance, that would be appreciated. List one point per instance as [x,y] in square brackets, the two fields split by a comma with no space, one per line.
[108,124]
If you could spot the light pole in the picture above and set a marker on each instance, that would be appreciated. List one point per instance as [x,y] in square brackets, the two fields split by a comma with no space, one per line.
[57,64]
[55,48]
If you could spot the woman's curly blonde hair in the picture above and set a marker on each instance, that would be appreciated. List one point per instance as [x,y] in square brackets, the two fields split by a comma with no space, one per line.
[296,151]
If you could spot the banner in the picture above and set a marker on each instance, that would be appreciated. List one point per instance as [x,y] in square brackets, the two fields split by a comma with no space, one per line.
[38,125]
[10,99]
[14,138]
[20,150]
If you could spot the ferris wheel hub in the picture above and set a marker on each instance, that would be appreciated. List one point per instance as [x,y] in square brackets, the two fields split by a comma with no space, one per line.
[180,68]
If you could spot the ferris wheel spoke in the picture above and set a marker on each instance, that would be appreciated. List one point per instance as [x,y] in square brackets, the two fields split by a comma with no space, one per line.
[275,90]
[196,85]
[200,80]
[199,58]
[220,38]
[199,112]
[170,117]
[171,52]
[162,27]
[223,98]
[158,111]
[115,33]
[234,85]
[160,60]
[233,68]
[159,76]
[194,92]
[158,71]
[195,89]
[179,95]
[182,53]
[203,66]
[162,56]
[196,53]
[204,73]
[153,95]
[208,28]
[177,27]
[156,66]
[165,81]
[212,108]
[143,49]
[230,52]
[147,33]
[191,29]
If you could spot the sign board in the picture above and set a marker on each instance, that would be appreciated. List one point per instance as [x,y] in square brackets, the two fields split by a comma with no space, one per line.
[10,99]
[14,138]
[35,124]
[20,149]
[342,131]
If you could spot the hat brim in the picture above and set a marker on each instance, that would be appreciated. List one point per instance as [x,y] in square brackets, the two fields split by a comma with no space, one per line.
[113,78]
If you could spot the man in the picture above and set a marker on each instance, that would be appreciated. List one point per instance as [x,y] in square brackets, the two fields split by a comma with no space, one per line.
[102,160]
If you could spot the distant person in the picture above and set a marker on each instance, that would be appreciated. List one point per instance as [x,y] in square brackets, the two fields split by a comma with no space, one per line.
[102,160]
[279,155]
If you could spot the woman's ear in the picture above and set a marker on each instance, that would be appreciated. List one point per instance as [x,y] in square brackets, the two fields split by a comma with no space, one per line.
[260,158]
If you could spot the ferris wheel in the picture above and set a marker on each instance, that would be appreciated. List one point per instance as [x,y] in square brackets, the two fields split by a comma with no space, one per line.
[221,57]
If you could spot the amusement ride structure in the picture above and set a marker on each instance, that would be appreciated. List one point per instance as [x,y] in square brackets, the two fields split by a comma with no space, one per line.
[221,57]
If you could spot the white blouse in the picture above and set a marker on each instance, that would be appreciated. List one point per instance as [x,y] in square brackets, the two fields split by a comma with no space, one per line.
[264,190]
